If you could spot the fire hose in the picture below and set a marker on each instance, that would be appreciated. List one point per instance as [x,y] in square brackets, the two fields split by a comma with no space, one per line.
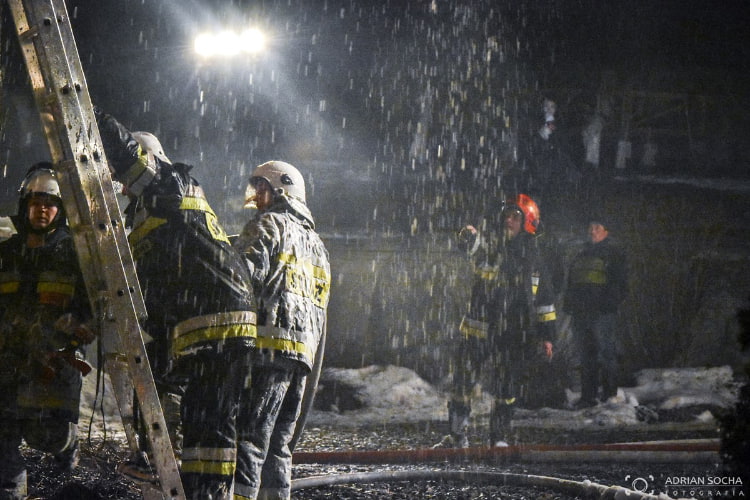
[691,451]
[584,489]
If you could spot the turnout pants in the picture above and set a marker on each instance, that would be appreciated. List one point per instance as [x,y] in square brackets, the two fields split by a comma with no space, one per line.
[45,414]
[209,410]
[269,410]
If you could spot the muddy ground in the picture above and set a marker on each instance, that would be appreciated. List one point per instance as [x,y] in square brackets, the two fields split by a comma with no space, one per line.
[99,479]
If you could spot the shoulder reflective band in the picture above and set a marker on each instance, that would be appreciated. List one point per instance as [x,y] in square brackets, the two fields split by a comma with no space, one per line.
[473,328]
[212,327]
[212,222]
[307,280]
[143,229]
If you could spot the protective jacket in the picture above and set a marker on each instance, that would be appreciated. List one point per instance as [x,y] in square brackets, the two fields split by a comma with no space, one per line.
[291,276]
[37,287]
[512,298]
[40,360]
[201,309]
[597,282]
[194,283]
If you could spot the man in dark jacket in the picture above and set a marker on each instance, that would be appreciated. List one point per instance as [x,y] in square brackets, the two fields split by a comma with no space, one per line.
[291,277]
[597,284]
[510,325]
[43,313]
[199,302]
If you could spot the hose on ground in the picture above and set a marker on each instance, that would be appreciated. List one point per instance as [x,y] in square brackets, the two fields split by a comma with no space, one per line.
[583,489]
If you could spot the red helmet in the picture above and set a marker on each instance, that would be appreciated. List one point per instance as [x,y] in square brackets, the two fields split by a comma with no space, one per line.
[530,211]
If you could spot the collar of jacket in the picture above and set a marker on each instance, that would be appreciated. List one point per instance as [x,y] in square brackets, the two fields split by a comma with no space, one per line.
[283,203]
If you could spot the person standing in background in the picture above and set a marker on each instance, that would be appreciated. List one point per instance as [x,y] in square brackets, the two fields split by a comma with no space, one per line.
[597,285]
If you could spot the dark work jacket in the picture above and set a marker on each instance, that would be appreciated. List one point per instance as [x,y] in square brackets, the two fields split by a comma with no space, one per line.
[195,284]
[512,297]
[38,286]
[597,281]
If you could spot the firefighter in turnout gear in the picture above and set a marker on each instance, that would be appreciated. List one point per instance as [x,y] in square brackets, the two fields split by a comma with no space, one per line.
[510,325]
[44,312]
[198,298]
[291,277]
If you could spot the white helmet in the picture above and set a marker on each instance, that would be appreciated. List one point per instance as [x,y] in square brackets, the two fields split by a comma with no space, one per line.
[40,180]
[151,144]
[283,178]
[138,181]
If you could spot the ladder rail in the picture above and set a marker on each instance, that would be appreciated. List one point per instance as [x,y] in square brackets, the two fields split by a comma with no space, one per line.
[59,87]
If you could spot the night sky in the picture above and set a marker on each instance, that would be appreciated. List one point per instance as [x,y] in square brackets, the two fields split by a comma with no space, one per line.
[345,84]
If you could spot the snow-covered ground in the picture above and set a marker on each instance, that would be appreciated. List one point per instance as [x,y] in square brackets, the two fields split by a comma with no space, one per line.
[397,394]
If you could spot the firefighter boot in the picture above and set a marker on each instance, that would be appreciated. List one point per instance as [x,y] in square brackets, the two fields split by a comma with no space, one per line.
[458,421]
[14,488]
[501,415]
[67,460]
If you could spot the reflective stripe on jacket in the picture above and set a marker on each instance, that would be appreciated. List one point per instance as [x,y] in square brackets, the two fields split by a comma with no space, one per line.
[291,277]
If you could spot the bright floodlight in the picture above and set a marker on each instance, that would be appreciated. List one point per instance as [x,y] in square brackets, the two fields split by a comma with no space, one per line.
[229,43]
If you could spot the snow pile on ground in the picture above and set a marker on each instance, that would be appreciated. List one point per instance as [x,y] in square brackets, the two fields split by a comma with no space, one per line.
[675,388]
[382,394]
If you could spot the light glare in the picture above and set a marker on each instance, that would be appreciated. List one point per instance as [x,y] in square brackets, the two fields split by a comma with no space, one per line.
[229,43]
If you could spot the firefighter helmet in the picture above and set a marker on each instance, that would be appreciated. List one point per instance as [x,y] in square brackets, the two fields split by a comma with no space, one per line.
[530,210]
[40,180]
[284,179]
[151,144]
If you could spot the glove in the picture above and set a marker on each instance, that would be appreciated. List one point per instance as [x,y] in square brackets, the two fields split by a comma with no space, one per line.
[547,347]
[79,333]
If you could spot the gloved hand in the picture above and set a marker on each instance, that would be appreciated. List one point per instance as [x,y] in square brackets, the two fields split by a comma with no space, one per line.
[547,349]
[467,237]
[79,333]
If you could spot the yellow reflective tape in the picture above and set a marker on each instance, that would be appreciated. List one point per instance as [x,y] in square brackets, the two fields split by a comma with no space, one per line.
[473,328]
[487,272]
[550,316]
[209,454]
[10,287]
[212,333]
[509,401]
[212,222]
[137,169]
[226,318]
[140,232]
[57,288]
[307,280]
[45,401]
[591,271]
[284,345]
[204,467]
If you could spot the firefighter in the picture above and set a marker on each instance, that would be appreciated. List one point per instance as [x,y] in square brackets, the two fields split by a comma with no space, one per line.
[44,312]
[510,325]
[291,277]
[199,302]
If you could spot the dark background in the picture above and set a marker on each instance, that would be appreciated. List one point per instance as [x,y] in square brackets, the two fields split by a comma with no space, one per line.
[344,86]
[410,119]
